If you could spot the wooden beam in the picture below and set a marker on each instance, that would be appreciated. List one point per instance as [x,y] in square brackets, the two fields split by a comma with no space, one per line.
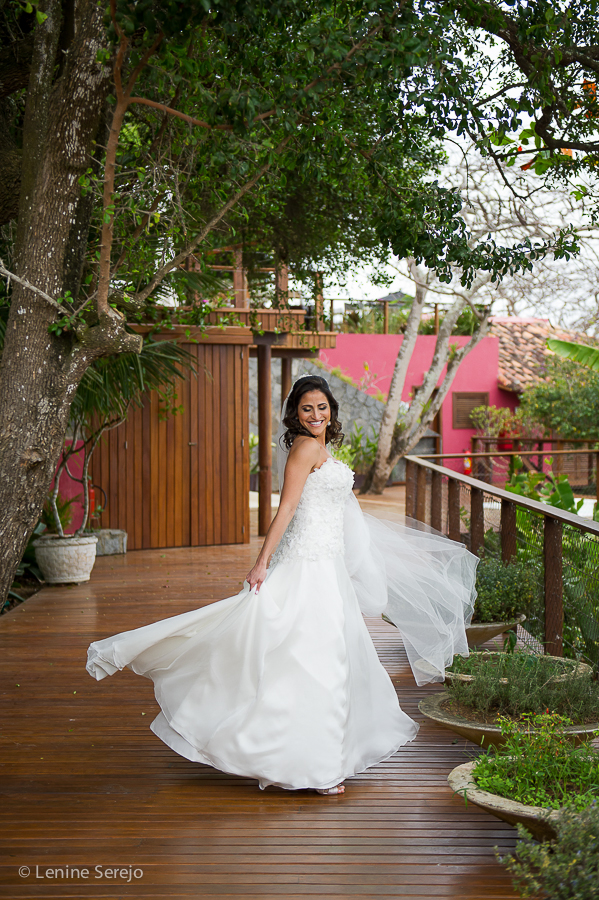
[436,500]
[509,547]
[240,282]
[264,439]
[386,317]
[286,363]
[318,302]
[421,494]
[453,509]
[410,488]
[477,521]
[554,609]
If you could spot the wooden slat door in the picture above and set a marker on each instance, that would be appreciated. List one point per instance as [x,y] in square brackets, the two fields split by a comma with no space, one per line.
[183,480]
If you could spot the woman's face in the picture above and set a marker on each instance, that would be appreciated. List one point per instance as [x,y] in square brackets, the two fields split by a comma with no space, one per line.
[314,412]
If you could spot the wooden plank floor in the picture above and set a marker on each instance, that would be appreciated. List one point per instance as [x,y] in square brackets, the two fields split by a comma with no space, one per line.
[86,784]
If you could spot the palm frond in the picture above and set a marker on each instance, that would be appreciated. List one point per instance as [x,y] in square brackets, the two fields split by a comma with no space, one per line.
[580,353]
[114,383]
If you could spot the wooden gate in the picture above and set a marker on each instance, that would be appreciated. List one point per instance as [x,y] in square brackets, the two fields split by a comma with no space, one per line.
[182,480]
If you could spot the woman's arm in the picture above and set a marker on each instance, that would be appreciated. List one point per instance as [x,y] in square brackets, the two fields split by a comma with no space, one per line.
[304,455]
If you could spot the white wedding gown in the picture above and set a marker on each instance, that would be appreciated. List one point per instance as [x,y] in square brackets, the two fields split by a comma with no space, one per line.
[285,685]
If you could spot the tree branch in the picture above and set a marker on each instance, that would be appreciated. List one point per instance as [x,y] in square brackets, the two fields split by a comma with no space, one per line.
[176,261]
[26,284]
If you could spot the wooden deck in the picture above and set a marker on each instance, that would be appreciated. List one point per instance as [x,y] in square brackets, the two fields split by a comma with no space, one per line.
[86,784]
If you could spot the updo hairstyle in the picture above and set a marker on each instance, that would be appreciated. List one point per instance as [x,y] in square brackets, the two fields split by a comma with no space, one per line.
[302,386]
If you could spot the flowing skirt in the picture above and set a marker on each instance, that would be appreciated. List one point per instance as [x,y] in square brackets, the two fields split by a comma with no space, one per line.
[283,685]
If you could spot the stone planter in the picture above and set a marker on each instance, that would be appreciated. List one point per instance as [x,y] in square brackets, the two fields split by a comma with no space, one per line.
[478,732]
[66,560]
[536,819]
[111,541]
[579,669]
[485,631]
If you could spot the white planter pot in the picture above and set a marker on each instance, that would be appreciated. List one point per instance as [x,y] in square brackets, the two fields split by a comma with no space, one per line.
[539,821]
[66,560]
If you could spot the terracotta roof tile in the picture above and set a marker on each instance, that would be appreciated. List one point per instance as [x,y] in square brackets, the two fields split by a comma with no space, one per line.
[523,350]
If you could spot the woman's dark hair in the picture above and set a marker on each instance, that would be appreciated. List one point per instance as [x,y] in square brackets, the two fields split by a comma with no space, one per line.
[302,386]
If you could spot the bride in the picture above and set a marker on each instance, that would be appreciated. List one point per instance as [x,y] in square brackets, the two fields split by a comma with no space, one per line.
[282,683]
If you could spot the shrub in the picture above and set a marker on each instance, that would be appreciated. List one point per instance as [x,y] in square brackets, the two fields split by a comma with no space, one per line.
[523,686]
[505,590]
[539,765]
[564,869]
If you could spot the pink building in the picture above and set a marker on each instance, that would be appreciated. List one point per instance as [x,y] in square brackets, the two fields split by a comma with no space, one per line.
[475,384]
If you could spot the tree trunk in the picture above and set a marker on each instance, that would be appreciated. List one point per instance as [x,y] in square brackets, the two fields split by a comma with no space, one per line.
[40,372]
[378,475]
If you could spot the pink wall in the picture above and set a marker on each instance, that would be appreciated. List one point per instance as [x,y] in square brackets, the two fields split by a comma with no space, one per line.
[69,488]
[478,372]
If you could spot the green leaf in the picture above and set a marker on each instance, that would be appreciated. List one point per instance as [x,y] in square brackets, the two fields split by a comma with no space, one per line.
[579,353]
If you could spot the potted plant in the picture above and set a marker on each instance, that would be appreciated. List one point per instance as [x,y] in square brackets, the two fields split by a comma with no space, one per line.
[505,591]
[465,669]
[536,772]
[566,868]
[107,391]
[524,685]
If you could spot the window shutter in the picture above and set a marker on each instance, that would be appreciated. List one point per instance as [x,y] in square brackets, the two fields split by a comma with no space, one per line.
[463,404]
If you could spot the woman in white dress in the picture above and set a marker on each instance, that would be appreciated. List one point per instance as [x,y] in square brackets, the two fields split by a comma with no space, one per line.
[282,682]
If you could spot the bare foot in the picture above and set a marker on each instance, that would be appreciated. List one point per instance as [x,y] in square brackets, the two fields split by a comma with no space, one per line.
[338,789]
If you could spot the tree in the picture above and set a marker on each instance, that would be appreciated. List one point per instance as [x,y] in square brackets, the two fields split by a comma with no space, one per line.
[136,139]
[567,399]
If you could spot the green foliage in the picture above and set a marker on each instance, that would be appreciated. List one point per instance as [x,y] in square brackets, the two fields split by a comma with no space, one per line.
[63,510]
[539,765]
[363,448]
[496,421]
[578,353]
[345,454]
[524,687]
[566,868]
[567,401]
[504,590]
[555,490]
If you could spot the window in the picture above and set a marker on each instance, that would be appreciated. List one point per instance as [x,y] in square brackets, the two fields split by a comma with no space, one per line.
[463,404]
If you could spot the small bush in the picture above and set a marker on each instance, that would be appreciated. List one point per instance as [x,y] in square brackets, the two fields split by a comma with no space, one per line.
[505,590]
[539,765]
[523,685]
[564,869]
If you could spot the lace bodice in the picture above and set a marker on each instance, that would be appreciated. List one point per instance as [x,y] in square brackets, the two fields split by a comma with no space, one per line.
[316,530]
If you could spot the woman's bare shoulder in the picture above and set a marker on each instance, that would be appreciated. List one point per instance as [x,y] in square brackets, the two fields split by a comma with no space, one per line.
[304,450]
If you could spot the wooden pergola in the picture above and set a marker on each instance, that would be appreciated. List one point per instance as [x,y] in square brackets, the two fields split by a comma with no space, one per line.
[277,333]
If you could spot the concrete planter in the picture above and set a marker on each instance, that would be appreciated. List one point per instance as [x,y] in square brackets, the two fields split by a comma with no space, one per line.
[572,667]
[539,821]
[478,732]
[66,560]
[111,541]
[482,632]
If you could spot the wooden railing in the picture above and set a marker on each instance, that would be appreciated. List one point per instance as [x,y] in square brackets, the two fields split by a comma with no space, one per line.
[491,456]
[419,471]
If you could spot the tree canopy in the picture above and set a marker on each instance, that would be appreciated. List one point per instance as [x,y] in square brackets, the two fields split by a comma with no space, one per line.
[135,136]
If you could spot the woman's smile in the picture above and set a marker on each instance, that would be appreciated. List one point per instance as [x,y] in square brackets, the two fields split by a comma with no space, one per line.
[314,412]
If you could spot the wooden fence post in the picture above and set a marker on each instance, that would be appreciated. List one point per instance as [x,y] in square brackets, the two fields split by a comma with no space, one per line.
[421,494]
[264,439]
[286,378]
[554,609]
[410,488]
[509,546]
[453,509]
[477,521]
[436,500]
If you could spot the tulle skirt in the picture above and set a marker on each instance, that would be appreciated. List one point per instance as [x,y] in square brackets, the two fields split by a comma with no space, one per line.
[283,685]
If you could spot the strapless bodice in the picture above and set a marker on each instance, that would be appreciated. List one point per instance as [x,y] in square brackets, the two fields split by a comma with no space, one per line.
[316,530]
